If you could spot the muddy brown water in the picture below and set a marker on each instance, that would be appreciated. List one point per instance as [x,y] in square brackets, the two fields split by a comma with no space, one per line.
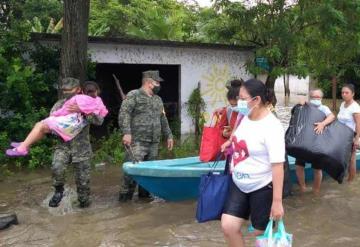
[330,219]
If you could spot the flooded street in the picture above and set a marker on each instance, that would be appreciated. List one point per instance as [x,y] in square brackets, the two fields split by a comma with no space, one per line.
[330,219]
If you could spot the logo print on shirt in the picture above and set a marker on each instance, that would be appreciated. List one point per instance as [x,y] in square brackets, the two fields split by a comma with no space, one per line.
[241,151]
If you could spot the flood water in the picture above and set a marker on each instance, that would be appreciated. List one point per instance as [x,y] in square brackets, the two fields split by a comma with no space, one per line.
[330,219]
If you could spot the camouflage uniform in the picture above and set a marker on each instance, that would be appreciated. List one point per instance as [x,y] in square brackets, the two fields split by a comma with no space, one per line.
[143,117]
[78,152]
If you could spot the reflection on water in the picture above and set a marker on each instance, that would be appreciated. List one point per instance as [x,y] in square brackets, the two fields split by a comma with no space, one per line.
[330,219]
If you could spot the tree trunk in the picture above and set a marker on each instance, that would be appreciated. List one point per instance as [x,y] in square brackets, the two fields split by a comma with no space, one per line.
[287,85]
[270,83]
[334,86]
[74,39]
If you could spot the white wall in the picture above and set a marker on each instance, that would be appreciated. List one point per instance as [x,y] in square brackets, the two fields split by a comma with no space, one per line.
[212,67]
[297,85]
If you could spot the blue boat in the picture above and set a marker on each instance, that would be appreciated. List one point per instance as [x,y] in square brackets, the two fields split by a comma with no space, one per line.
[178,179]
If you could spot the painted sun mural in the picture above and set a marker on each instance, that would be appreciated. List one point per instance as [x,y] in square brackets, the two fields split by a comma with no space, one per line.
[213,85]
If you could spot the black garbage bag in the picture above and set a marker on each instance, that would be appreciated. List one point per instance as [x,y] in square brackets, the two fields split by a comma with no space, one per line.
[331,150]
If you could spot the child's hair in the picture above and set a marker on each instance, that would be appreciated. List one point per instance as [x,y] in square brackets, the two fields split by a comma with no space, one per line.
[234,88]
[90,87]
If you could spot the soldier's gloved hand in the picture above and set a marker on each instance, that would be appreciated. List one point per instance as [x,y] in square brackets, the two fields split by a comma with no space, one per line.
[127,139]
[170,144]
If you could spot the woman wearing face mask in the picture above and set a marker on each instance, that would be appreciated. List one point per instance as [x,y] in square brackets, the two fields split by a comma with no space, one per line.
[257,165]
[316,96]
[349,114]
[229,114]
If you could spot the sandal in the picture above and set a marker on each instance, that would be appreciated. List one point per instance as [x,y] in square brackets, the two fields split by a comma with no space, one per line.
[15,144]
[16,153]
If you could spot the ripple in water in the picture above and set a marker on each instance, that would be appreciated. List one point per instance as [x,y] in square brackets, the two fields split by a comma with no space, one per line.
[66,205]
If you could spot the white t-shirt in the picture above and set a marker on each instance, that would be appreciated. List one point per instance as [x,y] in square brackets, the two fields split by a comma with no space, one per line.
[346,114]
[256,145]
[326,110]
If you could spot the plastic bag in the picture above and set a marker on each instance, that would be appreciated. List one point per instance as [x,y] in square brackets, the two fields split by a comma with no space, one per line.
[278,239]
[330,150]
[211,141]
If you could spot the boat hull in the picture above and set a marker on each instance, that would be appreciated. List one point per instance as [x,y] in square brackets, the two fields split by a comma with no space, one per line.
[179,179]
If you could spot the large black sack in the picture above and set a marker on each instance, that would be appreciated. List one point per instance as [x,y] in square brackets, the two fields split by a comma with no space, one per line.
[331,150]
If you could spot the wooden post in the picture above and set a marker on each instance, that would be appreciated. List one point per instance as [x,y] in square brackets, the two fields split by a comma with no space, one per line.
[121,92]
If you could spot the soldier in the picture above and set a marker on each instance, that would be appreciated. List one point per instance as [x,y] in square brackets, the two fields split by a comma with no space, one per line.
[77,151]
[142,120]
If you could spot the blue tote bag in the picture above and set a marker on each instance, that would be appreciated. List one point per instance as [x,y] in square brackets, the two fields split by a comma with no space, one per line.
[213,191]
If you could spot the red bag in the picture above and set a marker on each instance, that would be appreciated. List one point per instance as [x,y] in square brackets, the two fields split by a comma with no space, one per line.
[211,141]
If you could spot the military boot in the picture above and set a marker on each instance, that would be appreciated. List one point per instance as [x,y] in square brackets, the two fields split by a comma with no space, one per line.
[125,196]
[56,198]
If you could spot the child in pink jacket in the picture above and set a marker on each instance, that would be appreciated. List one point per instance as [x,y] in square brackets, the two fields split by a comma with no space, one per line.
[65,122]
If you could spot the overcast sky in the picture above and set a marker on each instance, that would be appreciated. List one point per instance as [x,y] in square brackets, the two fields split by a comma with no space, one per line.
[204,3]
[207,3]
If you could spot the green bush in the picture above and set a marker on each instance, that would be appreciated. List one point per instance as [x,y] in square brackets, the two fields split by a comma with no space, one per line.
[109,149]
[28,90]
[175,126]
[22,94]
[182,148]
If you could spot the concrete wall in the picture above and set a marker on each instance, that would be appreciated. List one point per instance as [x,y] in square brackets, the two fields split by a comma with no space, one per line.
[211,67]
[297,85]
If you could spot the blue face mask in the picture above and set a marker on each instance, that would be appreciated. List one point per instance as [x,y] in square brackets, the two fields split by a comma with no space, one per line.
[243,108]
[315,102]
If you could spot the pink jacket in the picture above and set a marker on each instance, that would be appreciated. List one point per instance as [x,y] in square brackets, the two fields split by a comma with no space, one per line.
[87,105]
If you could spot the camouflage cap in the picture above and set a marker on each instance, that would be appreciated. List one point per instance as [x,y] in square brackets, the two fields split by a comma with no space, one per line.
[69,83]
[153,74]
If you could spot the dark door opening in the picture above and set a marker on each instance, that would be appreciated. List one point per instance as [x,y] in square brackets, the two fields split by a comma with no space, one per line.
[130,76]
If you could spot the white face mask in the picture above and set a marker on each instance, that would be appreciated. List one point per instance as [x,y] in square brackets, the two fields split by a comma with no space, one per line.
[315,102]
[234,108]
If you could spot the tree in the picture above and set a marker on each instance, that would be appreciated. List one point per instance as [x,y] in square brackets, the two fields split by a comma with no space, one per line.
[74,39]
[271,27]
[37,27]
[332,46]
[44,10]
[25,89]
[147,19]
